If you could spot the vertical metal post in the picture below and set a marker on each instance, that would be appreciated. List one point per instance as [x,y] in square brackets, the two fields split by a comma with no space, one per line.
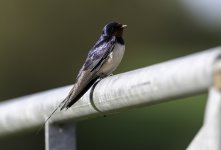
[60,136]
[209,136]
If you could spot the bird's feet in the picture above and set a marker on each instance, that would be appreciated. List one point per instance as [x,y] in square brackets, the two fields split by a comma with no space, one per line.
[111,74]
[104,75]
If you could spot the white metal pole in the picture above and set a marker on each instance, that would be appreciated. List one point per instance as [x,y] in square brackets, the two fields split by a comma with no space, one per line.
[181,77]
[209,136]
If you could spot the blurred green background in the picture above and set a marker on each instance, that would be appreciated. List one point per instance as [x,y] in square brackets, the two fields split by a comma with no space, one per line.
[44,43]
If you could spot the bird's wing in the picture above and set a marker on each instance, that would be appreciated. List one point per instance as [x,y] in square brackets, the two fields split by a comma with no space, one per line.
[87,75]
[85,81]
[99,53]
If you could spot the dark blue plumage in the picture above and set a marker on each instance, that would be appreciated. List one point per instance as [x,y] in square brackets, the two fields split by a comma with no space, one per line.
[101,61]
[104,45]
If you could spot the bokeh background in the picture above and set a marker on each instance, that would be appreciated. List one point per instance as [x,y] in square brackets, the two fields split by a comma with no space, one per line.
[44,43]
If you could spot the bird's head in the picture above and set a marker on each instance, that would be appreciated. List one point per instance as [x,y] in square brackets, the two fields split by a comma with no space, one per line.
[113,29]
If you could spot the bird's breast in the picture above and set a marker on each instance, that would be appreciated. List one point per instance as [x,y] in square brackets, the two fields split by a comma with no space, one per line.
[113,60]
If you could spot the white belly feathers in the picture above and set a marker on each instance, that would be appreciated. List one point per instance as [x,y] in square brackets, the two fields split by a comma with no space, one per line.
[113,60]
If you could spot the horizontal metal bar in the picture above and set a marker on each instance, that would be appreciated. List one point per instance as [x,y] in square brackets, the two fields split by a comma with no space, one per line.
[177,78]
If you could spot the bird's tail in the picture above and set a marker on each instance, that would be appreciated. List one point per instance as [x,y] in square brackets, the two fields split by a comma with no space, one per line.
[67,99]
[76,94]
[71,99]
[51,115]
[62,104]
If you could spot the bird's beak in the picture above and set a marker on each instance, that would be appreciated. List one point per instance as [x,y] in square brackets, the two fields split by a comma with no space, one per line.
[124,26]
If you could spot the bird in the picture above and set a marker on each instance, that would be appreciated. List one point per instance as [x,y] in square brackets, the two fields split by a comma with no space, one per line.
[102,59]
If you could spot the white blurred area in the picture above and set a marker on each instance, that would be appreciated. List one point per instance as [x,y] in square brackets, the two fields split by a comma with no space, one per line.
[206,13]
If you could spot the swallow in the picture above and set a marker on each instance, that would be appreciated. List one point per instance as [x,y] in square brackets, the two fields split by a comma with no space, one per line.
[103,58]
